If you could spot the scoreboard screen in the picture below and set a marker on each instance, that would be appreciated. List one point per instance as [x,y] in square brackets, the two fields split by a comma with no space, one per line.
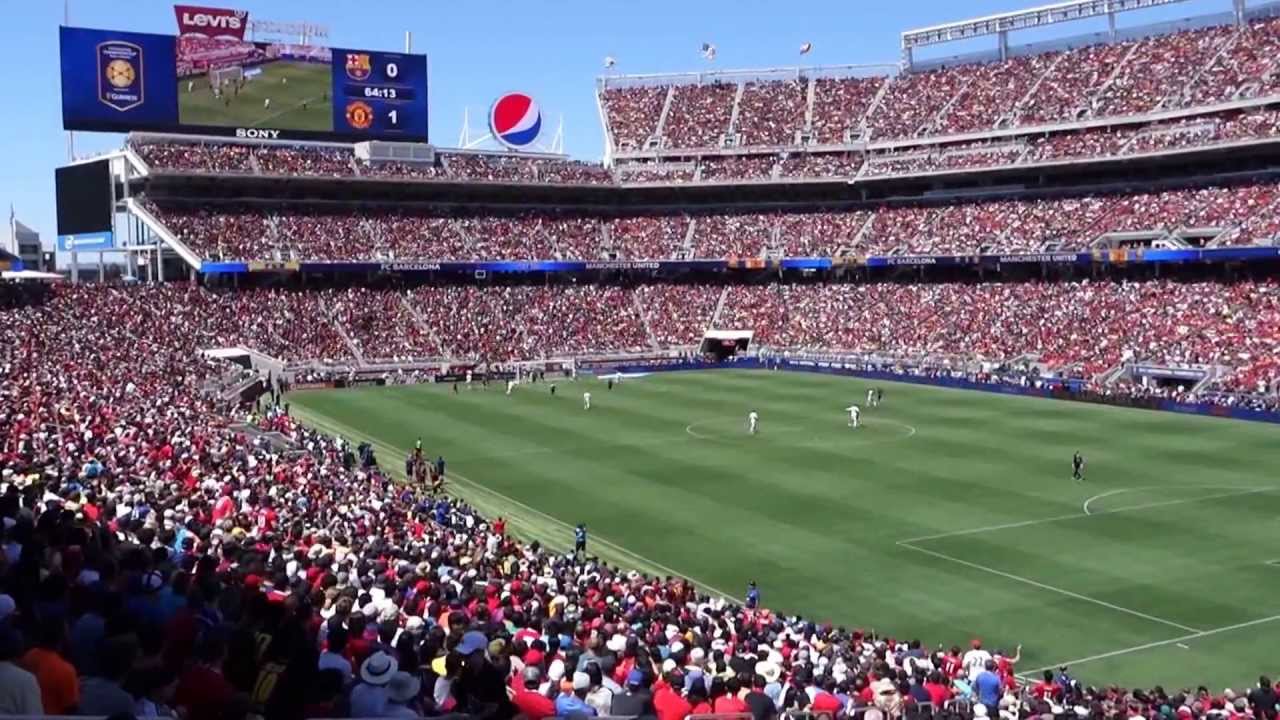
[121,81]
[84,205]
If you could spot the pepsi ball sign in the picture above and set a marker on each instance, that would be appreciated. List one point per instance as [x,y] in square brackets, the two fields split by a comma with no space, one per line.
[515,120]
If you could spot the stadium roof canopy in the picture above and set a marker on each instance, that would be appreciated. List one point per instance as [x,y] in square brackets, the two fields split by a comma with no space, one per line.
[1002,23]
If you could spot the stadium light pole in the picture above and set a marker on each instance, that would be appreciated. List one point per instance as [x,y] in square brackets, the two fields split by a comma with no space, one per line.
[71,136]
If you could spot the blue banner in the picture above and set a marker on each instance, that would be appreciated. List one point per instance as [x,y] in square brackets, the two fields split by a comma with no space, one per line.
[1101,257]
[117,80]
[86,242]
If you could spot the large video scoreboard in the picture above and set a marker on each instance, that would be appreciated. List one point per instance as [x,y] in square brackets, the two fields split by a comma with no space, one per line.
[122,81]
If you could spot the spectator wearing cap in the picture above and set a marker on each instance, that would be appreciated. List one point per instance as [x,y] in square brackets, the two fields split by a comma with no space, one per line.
[635,700]
[369,697]
[528,700]
[572,702]
[59,686]
[402,694]
[771,673]
[481,687]
[19,691]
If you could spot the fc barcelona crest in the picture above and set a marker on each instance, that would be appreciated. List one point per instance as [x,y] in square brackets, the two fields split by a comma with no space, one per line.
[359,66]
[120,75]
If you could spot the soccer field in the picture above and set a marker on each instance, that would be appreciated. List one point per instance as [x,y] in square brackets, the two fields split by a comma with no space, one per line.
[951,515]
[309,83]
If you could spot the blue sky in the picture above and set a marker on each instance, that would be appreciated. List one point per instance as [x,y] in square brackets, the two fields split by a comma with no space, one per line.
[551,49]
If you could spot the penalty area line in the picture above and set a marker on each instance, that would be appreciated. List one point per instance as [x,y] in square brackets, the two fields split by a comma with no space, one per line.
[1050,588]
[1076,516]
[1179,641]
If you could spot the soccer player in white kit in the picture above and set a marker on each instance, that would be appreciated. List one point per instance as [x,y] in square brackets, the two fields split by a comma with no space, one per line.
[753,422]
[468,379]
[871,397]
[854,412]
[511,385]
[586,401]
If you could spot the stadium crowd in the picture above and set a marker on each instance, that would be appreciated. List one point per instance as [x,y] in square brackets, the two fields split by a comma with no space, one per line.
[158,563]
[1087,144]
[1239,214]
[314,160]
[1190,68]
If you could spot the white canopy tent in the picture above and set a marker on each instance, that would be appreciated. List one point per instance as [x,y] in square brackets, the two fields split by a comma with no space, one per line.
[30,275]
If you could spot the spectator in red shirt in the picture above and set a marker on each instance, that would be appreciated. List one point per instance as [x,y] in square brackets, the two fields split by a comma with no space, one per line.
[531,703]
[1047,689]
[667,700]
[825,701]
[939,688]
[202,690]
[731,701]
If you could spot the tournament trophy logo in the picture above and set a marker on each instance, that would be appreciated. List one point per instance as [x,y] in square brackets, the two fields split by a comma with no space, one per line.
[359,66]
[120,76]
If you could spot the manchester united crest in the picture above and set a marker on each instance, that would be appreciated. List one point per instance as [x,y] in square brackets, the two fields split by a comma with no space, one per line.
[359,115]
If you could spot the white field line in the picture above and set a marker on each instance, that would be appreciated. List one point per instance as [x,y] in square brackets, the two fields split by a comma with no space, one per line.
[594,536]
[1085,506]
[1216,486]
[1050,588]
[1074,516]
[1182,639]
[319,420]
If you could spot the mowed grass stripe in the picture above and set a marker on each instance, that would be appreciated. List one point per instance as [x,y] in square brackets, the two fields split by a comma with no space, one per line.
[815,515]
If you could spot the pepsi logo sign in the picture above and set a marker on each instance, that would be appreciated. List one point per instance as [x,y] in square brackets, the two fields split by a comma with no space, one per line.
[515,120]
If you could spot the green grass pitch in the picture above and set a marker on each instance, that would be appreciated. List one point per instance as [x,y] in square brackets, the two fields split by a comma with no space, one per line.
[951,515]
[309,83]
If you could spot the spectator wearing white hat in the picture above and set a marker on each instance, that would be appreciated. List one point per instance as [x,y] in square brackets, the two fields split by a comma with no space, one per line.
[572,701]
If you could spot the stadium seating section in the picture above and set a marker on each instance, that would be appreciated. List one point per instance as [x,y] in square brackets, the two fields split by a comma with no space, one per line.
[1192,133]
[1223,215]
[1190,69]
[1086,326]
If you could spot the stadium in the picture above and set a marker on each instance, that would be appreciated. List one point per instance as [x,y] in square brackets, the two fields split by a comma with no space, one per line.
[947,388]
